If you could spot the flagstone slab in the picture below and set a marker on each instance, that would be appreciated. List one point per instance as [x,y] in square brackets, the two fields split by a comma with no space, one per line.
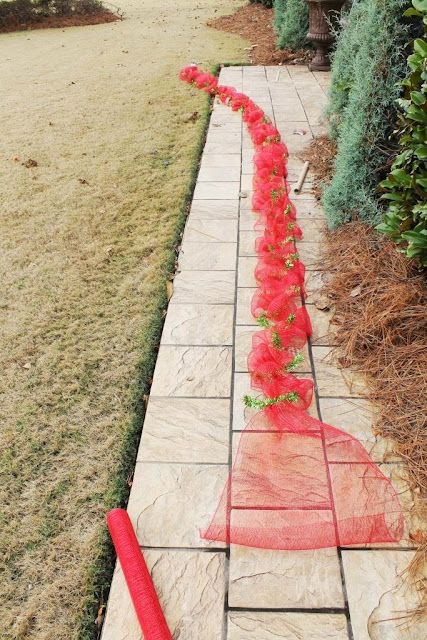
[207,256]
[191,589]
[379,597]
[193,372]
[265,579]
[186,430]
[210,230]
[243,306]
[220,160]
[198,324]
[247,220]
[214,210]
[323,329]
[310,209]
[311,229]
[204,287]
[309,253]
[219,174]
[314,282]
[247,242]
[334,381]
[170,503]
[222,147]
[266,625]
[246,268]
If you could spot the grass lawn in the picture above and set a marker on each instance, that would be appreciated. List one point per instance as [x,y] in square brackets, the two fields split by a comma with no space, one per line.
[87,239]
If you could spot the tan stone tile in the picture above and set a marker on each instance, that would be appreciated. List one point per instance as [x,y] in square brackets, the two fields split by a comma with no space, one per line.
[355,416]
[219,174]
[216,135]
[222,147]
[207,256]
[309,253]
[323,330]
[204,287]
[186,430]
[378,597]
[247,220]
[210,230]
[334,381]
[192,371]
[314,281]
[246,182]
[294,112]
[190,585]
[292,131]
[220,160]
[217,190]
[247,241]
[214,209]
[246,200]
[243,310]
[267,625]
[198,324]
[264,579]
[170,503]
[312,229]
[246,268]
[310,209]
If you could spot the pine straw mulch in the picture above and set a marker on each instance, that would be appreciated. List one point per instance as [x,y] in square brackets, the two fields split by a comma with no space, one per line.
[321,155]
[379,300]
[254,22]
[380,316]
[57,22]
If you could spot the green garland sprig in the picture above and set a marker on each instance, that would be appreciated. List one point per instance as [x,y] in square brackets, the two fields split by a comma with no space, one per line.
[257,403]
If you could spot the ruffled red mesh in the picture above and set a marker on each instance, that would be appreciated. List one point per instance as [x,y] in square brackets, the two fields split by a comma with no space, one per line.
[296,482]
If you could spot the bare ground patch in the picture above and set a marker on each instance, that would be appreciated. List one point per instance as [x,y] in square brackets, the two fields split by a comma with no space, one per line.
[255,23]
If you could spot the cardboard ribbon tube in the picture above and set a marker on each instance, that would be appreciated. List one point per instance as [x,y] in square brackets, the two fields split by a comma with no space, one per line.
[301,178]
[137,576]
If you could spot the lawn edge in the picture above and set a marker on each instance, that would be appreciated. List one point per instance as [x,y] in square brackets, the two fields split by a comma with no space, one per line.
[100,573]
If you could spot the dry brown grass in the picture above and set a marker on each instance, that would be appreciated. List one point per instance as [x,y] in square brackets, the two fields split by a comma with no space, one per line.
[87,235]
[380,305]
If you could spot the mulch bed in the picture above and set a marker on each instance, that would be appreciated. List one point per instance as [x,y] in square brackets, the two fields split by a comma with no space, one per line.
[254,22]
[57,22]
[379,299]
[321,155]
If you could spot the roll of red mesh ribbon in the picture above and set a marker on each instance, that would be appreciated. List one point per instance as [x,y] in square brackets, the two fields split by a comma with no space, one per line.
[137,576]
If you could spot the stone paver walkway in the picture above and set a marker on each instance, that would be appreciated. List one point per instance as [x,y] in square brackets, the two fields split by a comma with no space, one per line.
[195,412]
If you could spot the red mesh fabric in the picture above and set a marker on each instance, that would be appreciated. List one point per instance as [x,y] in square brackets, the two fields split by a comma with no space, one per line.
[296,482]
[137,576]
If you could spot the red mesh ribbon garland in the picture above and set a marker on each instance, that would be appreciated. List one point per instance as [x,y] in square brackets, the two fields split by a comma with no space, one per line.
[296,482]
[137,576]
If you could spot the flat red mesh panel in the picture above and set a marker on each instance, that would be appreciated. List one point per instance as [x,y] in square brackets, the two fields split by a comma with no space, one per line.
[296,482]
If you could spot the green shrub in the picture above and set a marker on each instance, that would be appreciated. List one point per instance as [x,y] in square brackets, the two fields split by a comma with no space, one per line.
[266,3]
[367,65]
[291,23]
[405,187]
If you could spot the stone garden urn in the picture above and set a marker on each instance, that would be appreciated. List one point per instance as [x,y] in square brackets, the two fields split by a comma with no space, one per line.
[321,14]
